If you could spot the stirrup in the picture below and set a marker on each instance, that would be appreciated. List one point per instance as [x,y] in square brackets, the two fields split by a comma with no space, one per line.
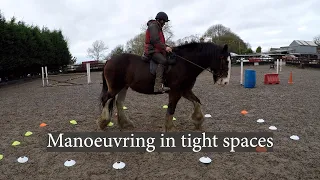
[161,89]
[164,88]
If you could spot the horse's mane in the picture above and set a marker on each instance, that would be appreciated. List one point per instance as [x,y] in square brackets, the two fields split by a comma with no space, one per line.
[199,49]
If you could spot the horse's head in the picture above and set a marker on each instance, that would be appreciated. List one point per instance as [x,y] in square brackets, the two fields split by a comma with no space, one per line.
[221,67]
[207,55]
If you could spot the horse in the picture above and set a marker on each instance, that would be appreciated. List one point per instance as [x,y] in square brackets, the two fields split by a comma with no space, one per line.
[185,64]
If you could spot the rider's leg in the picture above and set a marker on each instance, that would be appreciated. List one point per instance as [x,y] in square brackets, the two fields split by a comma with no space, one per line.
[161,60]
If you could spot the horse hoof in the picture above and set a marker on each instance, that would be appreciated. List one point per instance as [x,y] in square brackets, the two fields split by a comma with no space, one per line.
[197,127]
[102,124]
[128,125]
[170,129]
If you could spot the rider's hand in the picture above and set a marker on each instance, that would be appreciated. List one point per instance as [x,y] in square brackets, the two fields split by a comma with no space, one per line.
[168,49]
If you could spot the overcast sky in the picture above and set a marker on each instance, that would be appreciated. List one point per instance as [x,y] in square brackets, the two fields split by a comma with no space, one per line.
[268,23]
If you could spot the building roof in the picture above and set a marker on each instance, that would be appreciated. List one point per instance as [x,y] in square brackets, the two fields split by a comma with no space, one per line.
[281,49]
[305,43]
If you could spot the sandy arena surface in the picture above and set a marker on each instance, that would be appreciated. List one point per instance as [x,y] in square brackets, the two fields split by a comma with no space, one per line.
[293,109]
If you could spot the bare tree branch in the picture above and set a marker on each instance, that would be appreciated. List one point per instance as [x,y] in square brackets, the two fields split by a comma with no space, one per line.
[136,44]
[188,39]
[97,51]
[317,40]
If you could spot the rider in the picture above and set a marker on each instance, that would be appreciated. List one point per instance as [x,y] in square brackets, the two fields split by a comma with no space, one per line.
[156,48]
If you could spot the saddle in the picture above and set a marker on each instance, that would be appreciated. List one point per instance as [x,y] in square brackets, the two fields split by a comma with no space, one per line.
[153,65]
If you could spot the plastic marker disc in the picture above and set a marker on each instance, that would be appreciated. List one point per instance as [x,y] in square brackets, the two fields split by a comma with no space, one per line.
[261,149]
[119,165]
[294,137]
[174,118]
[207,115]
[260,120]
[1,156]
[73,122]
[164,106]
[43,124]
[23,159]
[28,133]
[69,163]
[244,112]
[272,128]
[205,160]
[110,124]
[16,143]
[125,107]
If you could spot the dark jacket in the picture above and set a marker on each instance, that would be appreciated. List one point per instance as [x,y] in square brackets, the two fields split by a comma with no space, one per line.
[155,41]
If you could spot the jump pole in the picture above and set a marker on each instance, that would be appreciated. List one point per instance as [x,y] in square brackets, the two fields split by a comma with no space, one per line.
[241,73]
[88,73]
[280,65]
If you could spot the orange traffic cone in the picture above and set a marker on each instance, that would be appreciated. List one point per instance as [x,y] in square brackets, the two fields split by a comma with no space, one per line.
[290,79]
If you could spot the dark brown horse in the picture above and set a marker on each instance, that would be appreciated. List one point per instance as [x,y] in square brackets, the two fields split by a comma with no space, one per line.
[186,63]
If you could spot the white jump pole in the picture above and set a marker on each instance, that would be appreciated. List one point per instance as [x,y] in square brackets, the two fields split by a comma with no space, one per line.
[88,73]
[42,74]
[241,73]
[280,65]
[277,66]
[46,70]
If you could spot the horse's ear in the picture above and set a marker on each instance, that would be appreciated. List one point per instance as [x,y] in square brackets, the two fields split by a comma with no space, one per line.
[225,48]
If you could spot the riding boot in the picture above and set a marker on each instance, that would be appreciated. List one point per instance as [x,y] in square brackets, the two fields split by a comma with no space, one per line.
[158,85]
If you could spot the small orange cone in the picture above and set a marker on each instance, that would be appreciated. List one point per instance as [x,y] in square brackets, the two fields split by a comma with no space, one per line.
[290,78]
[244,112]
[261,149]
[43,124]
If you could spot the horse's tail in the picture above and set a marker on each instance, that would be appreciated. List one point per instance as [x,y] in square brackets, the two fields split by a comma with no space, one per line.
[104,91]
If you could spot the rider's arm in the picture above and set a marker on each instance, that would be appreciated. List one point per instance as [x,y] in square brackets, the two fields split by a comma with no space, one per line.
[155,38]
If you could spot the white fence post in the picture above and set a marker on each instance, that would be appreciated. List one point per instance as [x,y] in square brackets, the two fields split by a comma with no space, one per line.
[277,66]
[46,70]
[42,74]
[88,73]
[241,73]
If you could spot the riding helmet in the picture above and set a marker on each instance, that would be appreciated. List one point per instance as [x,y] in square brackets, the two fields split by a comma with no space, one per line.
[162,16]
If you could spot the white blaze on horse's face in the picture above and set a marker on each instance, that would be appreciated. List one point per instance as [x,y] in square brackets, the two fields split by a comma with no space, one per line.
[225,80]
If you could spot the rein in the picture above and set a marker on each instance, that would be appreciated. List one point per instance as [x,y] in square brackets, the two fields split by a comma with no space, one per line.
[197,64]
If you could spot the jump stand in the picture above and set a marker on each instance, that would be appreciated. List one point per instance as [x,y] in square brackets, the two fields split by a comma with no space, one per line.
[44,74]
[67,82]
[271,79]
[241,72]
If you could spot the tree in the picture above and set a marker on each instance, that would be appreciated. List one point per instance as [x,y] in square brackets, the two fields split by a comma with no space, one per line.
[317,40]
[97,51]
[222,35]
[248,51]
[116,51]
[217,31]
[24,48]
[258,50]
[188,39]
[136,44]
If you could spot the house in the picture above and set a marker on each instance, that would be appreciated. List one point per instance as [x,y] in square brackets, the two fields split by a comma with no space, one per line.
[303,47]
